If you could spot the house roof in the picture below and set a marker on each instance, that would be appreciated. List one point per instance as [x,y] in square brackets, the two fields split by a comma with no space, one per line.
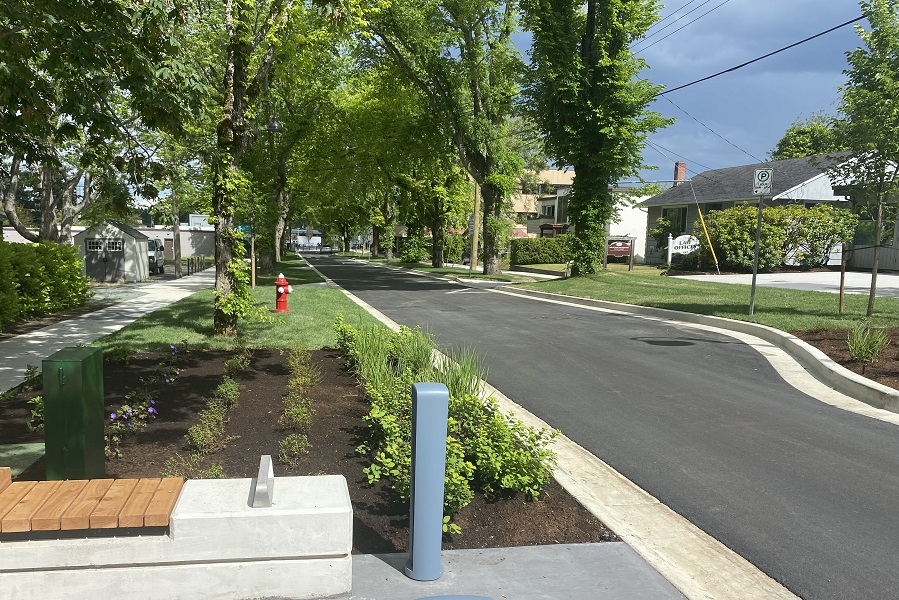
[124,227]
[735,183]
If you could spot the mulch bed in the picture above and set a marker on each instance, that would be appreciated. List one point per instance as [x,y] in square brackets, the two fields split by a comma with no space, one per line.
[833,343]
[381,522]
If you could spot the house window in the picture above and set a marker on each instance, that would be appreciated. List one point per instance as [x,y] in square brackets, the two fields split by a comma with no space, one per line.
[677,216]
[95,245]
[549,211]
[710,207]
[115,245]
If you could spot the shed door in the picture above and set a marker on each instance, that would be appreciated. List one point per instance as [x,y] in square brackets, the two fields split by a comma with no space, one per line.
[104,259]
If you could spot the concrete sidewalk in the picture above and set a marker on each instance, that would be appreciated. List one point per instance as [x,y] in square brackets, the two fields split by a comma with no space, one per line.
[132,302]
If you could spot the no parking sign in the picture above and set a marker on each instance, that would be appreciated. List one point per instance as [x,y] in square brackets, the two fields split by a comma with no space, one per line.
[761,183]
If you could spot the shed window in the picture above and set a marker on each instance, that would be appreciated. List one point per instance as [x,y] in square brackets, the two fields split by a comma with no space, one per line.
[115,245]
[95,245]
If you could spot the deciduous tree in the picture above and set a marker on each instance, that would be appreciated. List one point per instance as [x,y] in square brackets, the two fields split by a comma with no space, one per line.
[589,102]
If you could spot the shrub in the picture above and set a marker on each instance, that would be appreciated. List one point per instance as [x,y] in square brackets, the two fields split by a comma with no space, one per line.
[209,433]
[227,391]
[866,343]
[415,247]
[292,448]
[236,364]
[454,245]
[535,251]
[297,413]
[39,279]
[191,467]
[794,234]
[486,450]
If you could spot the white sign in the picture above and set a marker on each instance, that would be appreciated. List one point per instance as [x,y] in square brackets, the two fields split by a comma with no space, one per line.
[761,183]
[684,244]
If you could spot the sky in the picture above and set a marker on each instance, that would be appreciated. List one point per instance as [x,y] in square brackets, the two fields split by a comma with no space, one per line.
[737,118]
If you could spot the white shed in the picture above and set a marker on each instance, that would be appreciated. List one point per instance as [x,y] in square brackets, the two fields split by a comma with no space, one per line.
[113,252]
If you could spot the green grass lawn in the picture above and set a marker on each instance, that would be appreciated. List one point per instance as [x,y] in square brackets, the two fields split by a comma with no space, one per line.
[789,310]
[313,309]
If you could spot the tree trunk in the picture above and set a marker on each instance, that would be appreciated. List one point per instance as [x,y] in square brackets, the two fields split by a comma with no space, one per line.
[176,234]
[282,200]
[875,262]
[438,224]
[493,204]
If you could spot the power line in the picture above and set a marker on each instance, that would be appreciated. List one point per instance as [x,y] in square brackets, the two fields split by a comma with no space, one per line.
[749,154]
[683,16]
[754,60]
[684,26]
[671,14]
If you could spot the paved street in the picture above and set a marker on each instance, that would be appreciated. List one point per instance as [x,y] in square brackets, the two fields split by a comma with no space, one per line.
[803,490]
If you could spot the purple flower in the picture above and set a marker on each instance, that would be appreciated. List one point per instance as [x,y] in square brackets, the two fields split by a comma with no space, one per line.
[152,401]
[151,410]
[166,376]
[112,416]
[174,350]
[129,424]
[129,411]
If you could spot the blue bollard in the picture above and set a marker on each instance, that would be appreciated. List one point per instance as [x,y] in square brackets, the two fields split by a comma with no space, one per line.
[430,407]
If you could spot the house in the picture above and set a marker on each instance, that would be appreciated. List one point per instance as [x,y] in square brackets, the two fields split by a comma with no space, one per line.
[529,202]
[794,181]
[113,252]
[552,217]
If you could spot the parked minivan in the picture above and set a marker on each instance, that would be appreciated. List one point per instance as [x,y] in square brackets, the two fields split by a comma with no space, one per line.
[156,253]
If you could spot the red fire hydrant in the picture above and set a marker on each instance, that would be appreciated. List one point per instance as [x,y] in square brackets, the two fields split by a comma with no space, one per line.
[282,288]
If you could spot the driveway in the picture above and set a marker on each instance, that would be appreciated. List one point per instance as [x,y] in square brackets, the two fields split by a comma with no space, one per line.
[821,281]
[801,489]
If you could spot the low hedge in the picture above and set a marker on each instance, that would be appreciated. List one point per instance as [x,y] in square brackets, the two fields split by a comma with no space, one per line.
[537,251]
[39,279]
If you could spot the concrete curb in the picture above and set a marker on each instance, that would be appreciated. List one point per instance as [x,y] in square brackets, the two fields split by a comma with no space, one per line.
[813,360]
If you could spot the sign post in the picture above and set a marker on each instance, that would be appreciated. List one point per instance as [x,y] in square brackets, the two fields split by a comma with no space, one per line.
[761,185]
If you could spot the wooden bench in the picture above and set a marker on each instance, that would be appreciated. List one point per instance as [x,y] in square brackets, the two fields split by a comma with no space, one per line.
[85,504]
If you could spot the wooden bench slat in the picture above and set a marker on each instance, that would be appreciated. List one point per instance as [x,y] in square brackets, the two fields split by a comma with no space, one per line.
[77,516]
[5,477]
[106,514]
[132,514]
[49,516]
[19,518]
[12,494]
[163,502]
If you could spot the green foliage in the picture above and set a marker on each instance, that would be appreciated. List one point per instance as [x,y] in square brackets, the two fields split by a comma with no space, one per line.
[297,412]
[793,233]
[454,245]
[815,135]
[208,435]
[536,251]
[866,343]
[191,467]
[32,378]
[870,117]
[292,448]
[303,372]
[732,232]
[415,248]
[236,364]
[39,279]
[660,232]
[813,232]
[486,450]
[591,105]
[227,391]
[36,423]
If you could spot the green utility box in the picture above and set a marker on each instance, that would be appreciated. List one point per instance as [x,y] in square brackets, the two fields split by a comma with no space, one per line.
[73,414]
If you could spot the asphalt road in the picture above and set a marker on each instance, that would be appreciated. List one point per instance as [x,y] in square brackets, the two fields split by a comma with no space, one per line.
[805,491]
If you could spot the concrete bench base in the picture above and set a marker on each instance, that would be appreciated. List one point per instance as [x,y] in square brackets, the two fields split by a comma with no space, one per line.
[217,547]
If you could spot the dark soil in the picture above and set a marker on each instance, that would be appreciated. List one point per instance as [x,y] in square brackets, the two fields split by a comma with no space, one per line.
[833,343]
[380,519]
